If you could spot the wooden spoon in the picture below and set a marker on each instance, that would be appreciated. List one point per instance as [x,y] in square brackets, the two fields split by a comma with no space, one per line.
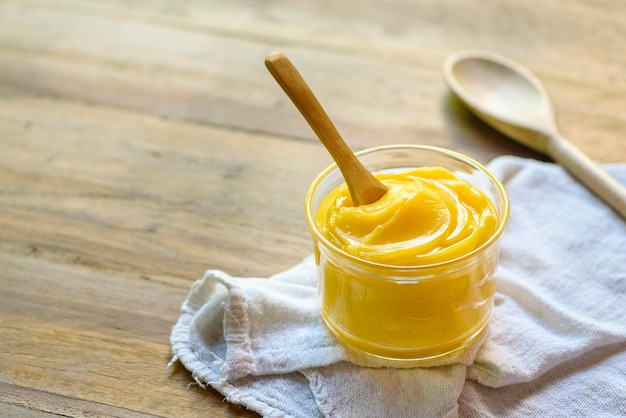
[364,187]
[508,97]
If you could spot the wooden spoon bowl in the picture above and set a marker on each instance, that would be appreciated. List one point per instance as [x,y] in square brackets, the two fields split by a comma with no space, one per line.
[508,97]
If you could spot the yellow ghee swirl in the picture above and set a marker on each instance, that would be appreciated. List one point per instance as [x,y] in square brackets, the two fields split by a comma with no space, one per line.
[428,216]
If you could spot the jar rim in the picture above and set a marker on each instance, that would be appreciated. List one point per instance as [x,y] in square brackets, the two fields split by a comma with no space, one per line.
[502,219]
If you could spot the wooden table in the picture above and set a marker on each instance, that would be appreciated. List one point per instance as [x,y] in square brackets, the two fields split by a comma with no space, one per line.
[142,143]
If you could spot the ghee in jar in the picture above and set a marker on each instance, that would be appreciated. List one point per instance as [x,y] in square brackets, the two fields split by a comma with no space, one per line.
[428,215]
[422,290]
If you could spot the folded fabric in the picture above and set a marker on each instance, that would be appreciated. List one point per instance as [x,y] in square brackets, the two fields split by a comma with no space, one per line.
[558,328]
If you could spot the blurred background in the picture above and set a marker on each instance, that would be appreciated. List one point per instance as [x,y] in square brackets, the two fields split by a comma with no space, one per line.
[375,65]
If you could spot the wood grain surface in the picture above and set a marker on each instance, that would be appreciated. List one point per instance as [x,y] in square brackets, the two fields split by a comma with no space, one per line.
[142,143]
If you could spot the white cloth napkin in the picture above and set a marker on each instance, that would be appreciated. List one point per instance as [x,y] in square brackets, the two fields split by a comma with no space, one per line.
[556,344]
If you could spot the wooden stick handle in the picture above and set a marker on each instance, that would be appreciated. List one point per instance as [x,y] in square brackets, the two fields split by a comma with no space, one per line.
[364,187]
[589,173]
[289,78]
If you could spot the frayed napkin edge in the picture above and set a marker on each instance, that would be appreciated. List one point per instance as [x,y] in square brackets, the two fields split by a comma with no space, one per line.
[201,373]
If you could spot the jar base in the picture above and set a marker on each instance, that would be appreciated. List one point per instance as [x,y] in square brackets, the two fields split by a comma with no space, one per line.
[454,350]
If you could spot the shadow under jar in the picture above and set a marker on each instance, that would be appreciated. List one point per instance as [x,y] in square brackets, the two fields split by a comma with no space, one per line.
[420,312]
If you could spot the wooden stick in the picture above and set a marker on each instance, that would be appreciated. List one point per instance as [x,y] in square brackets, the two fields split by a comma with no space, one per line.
[364,187]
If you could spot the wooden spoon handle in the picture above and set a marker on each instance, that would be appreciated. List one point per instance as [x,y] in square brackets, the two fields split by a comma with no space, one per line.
[589,173]
[364,187]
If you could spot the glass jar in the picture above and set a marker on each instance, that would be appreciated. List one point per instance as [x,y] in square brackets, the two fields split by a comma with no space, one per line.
[414,313]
